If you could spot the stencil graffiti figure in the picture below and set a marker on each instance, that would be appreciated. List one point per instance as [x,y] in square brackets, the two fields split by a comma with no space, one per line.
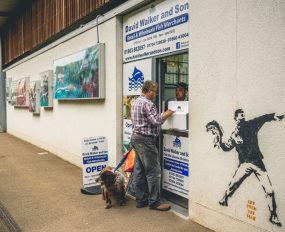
[245,140]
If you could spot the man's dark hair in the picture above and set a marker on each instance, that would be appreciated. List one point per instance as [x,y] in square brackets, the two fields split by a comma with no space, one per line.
[182,85]
[148,86]
[238,111]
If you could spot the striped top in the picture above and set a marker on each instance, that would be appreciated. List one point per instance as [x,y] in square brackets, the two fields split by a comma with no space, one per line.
[145,118]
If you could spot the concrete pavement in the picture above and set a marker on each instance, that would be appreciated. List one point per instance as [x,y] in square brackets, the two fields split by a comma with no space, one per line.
[42,194]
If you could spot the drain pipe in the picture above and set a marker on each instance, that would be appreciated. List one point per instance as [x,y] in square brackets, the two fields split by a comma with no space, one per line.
[98,27]
[3,121]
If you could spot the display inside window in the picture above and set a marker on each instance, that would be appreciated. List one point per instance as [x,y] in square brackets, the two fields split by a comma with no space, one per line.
[174,71]
[22,92]
[46,89]
[127,103]
[80,75]
[34,97]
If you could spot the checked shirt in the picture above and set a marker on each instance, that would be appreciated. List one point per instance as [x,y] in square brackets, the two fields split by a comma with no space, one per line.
[145,118]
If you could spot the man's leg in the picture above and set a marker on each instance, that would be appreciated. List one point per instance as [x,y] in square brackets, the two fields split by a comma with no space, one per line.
[263,178]
[243,171]
[147,153]
[151,164]
[140,182]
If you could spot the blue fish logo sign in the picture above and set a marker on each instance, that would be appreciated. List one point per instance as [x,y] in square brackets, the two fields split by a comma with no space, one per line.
[177,143]
[137,80]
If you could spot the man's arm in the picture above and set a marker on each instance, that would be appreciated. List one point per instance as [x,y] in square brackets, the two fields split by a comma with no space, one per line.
[227,146]
[217,131]
[263,119]
[259,121]
[152,115]
[167,114]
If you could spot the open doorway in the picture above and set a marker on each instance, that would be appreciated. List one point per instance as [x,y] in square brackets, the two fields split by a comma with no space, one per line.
[173,73]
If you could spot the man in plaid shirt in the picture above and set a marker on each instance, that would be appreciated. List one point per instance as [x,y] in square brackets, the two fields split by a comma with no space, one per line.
[146,128]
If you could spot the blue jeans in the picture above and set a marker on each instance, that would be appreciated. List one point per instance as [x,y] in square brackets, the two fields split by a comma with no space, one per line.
[147,170]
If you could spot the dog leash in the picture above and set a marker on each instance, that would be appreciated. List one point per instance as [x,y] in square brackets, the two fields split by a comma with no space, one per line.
[125,155]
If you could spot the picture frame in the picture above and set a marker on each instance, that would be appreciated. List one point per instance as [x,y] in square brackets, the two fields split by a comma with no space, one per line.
[22,92]
[34,97]
[8,83]
[80,75]
[46,89]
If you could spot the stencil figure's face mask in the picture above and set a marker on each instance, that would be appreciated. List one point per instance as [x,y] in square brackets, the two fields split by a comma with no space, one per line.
[240,118]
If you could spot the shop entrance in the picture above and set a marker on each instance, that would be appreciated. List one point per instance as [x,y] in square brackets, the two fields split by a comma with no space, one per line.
[172,73]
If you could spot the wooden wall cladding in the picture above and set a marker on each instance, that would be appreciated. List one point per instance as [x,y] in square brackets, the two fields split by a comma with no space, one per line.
[43,20]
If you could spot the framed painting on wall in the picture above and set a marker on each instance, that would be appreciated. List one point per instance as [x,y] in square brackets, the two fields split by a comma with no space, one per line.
[46,92]
[13,92]
[22,91]
[8,88]
[80,75]
[34,97]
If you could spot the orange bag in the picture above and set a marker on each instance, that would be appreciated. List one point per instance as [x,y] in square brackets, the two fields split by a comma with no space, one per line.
[130,161]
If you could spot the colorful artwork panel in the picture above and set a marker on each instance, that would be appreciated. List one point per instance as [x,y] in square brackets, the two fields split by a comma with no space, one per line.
[80,75]
[46,89]
[13,92]
[22,94]
[34,97]
[8,87]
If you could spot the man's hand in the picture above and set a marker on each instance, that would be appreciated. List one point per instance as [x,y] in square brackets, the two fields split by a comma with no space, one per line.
[167,114]
[279,117]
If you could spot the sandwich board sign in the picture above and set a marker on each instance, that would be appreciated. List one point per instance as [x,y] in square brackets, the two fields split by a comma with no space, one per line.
[94,159]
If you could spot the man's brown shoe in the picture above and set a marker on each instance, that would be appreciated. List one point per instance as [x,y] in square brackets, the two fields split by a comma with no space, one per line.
[161,207]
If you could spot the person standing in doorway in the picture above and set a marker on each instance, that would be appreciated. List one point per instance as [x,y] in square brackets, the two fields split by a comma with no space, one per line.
[181,93]
[146,128]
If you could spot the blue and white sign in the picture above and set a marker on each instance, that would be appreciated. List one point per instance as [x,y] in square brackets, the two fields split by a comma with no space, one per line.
[134,75]
[158,29]
[94,158]
[175,176]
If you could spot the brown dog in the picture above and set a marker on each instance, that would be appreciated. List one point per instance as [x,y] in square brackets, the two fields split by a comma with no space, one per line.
[112,183]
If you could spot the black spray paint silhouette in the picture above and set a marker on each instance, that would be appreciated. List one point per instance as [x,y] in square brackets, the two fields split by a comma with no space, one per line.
[245,140]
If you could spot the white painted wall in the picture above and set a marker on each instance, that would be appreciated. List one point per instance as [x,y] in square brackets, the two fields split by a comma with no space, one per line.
[236,61]
[61,129]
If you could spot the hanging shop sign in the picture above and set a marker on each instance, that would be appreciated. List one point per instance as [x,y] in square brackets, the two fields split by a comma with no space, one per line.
[159,29]
[175,165]
[95,159]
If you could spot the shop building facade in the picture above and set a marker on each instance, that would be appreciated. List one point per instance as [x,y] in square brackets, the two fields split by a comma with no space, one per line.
[231,55]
